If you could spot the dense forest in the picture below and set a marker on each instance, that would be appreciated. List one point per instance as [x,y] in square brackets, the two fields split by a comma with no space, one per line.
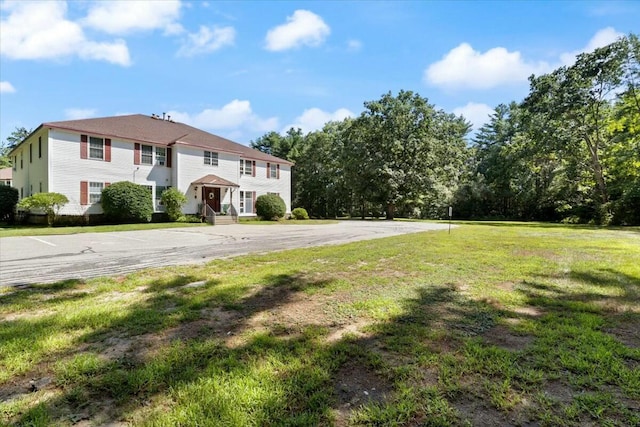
[570,151]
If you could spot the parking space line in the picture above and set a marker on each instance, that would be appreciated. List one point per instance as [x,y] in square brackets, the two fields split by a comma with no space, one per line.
[42,241]
[126,237]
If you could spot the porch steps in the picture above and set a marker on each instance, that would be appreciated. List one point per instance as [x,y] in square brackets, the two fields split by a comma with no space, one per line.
[224,220]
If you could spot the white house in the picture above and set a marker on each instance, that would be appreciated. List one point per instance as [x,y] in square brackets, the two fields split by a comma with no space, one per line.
[78,158]
[6,176]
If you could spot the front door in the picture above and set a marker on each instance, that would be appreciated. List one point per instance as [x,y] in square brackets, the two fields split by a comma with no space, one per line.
[212,198]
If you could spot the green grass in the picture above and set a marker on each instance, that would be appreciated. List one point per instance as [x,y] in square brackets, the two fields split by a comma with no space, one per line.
[494,324]
[34,230]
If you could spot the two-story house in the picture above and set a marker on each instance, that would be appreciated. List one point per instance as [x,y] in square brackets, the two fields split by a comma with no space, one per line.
[78,158]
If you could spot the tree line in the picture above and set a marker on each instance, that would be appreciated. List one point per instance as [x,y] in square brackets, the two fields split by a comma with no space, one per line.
[570,151]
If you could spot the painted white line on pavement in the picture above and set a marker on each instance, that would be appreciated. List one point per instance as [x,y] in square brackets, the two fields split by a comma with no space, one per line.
[42,241]
[128,238]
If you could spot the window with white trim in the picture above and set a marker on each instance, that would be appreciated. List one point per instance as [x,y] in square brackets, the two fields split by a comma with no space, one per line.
[96,148]
[95,192]
[246,202]
[146,154]
[15,163]
[246,167]
[273,170]
[211,158]
[161,156]
[159,190]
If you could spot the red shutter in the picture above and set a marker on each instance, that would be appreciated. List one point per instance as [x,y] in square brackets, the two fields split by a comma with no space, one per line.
[136,154]
[106,184]
[83,146]
[253,204]
[278,172]
[268,170]
[168,162]
[84,193]
[107,150]
[253,169]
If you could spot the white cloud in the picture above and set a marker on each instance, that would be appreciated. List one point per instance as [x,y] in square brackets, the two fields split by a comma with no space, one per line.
[125,17]
[208,39]
[464,67]
[79,113]
[40,30]
[303,28]
[354,45]
[477,114]
[600,39]
[314,119]
[6,87]
[236,115]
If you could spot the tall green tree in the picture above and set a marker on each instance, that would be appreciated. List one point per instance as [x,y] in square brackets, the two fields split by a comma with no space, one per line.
[321,186]
[572,105]
[400,148]
[15,138]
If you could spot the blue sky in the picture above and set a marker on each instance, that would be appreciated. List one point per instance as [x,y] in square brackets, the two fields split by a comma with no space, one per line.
[240,69]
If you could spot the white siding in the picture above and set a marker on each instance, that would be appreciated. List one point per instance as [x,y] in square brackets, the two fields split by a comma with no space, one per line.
[190,167]
[263,185]
[67,169]
[60,169]
[31,175]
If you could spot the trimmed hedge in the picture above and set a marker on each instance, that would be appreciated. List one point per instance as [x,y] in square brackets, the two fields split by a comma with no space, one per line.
[299,213]
[124,202]
[8,200]
[270,207]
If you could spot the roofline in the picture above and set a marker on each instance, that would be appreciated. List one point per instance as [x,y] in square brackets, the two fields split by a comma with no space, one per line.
[22,142]
[112,135]
[240,153]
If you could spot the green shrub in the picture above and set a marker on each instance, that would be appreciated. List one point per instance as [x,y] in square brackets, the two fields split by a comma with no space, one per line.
[190,218]
[173,200]
[270,207]
[299,213]
[50,203]
[125,201]
[8,201]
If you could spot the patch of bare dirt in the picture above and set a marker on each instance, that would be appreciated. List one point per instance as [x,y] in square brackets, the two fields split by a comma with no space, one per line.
[506,286]
[356,385]
[627,332]
[559,391]
[528,311]
[354,329]
[479,414]
[501,336]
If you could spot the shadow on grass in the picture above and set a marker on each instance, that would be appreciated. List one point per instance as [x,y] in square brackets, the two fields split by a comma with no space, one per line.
[267,377]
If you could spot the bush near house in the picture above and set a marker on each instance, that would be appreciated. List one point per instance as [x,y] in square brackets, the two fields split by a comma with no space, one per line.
[8,201]
[173,200]
[299,213]
[125,201]
[270,207]
[50,203]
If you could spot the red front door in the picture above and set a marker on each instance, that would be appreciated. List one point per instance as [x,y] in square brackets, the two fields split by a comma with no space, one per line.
[212,197]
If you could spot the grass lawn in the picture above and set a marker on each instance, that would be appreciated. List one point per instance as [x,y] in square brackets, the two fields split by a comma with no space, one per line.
[492,325]
[37,230]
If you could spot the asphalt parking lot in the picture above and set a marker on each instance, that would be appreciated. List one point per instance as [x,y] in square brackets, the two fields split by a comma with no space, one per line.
[43,259]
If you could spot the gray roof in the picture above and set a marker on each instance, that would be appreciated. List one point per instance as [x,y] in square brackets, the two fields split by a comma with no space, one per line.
[141,128]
